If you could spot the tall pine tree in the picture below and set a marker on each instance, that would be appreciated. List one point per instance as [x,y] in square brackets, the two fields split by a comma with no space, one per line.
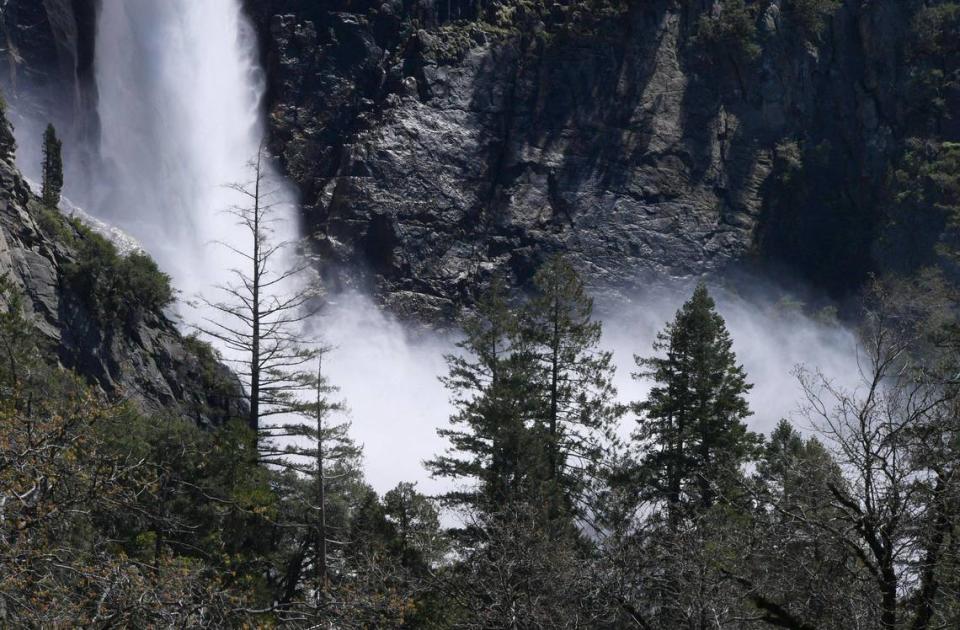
[491,382]
[574,378]
[52,168]
[692,421]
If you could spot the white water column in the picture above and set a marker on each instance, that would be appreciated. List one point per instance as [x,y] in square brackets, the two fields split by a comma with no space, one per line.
[180,91]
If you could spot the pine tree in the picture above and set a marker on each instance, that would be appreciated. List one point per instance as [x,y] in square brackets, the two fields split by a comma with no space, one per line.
[534,396]
[692,421]
[416,521]
[52,168]
[574,377]
[320,453]
[491,382]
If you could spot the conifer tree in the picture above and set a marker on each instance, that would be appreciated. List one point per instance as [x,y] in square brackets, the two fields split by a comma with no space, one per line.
[320,452]
[491,383]
[692,421]
[574,378]
[52,168]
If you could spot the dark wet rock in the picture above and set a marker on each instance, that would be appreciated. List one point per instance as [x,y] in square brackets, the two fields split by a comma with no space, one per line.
[433,148]
[431,155]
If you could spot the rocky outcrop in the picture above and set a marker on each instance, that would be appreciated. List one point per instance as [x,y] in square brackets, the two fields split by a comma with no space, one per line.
[437,142]
[144,360]
[430,154]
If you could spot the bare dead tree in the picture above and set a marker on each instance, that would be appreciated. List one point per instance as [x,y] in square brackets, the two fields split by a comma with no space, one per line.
[890,511]
[260,320]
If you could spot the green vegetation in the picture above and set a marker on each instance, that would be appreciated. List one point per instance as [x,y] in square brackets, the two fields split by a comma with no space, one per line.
[59,227]
[935,28]
[216,381]
[8,144]
[52,168]
[695,412]
[934,56]
[114,517]
[729,32]
[809,17]
[923,219]
[117,288]
[535,398]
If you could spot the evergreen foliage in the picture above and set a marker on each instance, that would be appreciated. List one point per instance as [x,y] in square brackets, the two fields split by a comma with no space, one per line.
[924,215]
[112,517]
[810,16]
[729,31]
[693,420]
[8,144]
[534,394]
[574,379]
[52,168]
[119,289]
[491,382]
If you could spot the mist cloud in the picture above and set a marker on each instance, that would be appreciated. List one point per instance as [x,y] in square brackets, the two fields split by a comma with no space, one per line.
[388,375]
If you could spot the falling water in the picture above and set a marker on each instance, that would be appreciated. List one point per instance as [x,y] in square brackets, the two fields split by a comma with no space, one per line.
[180,90]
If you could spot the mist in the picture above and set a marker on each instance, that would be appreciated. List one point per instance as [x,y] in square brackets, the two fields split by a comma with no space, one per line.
[388,374]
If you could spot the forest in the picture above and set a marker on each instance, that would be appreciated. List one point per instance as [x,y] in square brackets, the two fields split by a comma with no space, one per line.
[174,452]
[845,516]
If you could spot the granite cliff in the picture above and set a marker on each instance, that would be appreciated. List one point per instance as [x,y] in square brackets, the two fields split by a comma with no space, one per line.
[90,322]
[435,143]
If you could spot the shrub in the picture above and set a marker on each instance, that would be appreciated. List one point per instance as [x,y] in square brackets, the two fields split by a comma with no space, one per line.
[923,222]
[934,56]
[143,280]
[215,379]
[116,288]
[55,225]
[936,31]
[810,16]
[8,144]
[732,30]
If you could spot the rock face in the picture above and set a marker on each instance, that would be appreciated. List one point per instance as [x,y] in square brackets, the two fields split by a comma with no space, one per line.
[47,74]
[145,360]
[437,142]
[430,154]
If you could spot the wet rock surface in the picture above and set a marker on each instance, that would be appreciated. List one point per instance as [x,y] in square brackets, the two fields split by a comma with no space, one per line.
[435,144]
[432,154]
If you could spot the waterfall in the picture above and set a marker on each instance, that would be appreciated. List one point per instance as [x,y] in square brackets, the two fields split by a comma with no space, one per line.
[179,104]
[180,92]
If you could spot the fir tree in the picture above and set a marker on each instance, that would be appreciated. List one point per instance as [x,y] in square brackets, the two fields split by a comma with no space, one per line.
[52,168]
[491,383]
[692,421]
[324,461]
[574,378]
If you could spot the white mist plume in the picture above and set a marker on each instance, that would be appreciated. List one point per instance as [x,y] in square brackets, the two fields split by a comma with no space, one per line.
[389,377]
